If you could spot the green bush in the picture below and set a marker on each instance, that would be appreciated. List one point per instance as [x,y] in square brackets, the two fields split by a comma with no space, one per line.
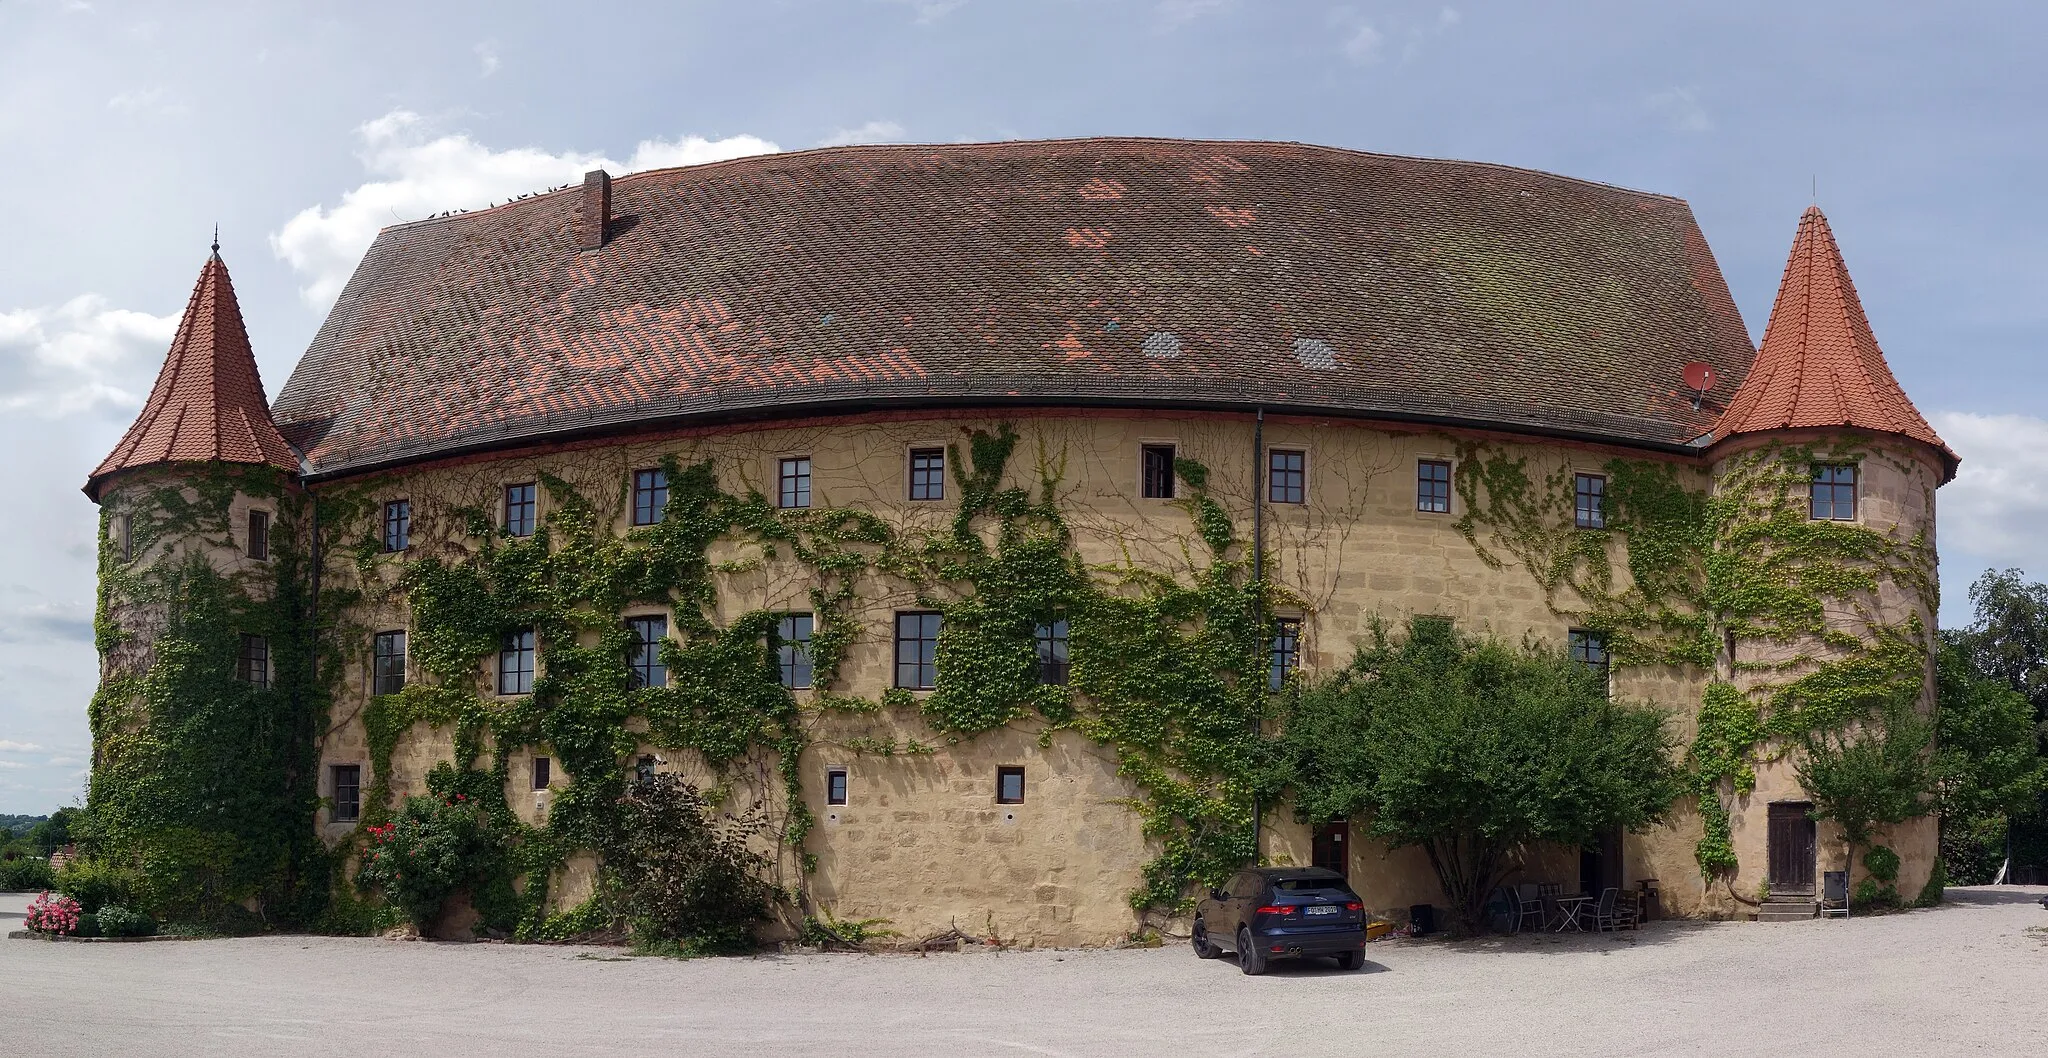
[686,881]
[1882,863]
[117,921]
[434,849]
[97,883]
[348,915]
[88,925]
[26,875]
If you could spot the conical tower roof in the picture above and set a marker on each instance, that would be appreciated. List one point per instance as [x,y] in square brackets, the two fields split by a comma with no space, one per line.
[208,404]
[1820,366]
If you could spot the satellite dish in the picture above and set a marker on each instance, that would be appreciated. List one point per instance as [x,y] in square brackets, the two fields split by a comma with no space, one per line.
[1699,376]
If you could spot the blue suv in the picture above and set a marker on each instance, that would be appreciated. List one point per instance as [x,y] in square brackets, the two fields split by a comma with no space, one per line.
[1282,913]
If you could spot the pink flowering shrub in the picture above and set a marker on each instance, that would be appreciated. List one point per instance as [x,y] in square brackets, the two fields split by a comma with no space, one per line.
[53,914]
[434,848]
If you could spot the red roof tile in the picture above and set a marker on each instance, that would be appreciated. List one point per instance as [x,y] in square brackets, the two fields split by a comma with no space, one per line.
[1820,366]
[208,403]
[1119,272]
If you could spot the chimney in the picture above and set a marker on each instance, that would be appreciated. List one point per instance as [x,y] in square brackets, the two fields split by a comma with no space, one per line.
[597,209]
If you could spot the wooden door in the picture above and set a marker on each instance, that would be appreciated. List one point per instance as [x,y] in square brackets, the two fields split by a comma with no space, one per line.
[1331,847]
[1792,847]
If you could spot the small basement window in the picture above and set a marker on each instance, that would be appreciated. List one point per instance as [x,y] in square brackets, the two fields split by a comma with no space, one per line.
[1010,785]
[543,772]
[835,786]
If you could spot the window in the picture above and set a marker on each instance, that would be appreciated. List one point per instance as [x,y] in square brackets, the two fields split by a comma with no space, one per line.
[397,525]
[1589,501]
[794,489]
[927,473]
[1052,652]
[643,771]
[1433,486]
[253,666]
[1590,649]
[1286,655]
[835,786]
[259,534]
[515,662]
[124,529]
[543,772]
[1009,785]
[387,663]
[348,792]
[1156,472]
[645,656]
[519,509]
[1834,493]
[650,496]
[917,648]
[793,652]
[1287,476]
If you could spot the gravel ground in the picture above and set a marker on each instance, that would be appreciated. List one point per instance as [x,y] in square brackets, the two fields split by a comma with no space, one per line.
[1971,977]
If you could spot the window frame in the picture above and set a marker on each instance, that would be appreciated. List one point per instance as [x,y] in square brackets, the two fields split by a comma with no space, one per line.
[645,767]
[935,483]
[1300,474]
[379,655]
[1052,638]
[124,527]
[1835,488]
[644,666]
[1581,644]
[793,653]
[837,798]
[542,772]
[522,645]
[257,544]
[253,666]
[920,664]
[531,506]
[791,487]
[353,805]
[1005,772]
[1283,651]
[1425,487]
[651,483]
[1589,515]
[1157,483]
[397,534]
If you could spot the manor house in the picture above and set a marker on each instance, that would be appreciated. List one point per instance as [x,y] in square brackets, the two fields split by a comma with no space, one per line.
[907,498]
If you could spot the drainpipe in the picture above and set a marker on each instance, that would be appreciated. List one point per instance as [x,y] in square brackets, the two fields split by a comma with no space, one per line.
[1258,579]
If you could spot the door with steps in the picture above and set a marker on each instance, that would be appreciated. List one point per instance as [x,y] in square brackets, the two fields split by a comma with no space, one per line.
[1792,848]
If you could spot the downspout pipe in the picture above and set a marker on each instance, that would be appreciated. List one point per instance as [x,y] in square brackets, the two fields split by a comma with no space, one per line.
[1258,582]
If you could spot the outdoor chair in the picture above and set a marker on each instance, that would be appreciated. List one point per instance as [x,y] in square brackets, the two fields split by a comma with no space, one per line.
[1628,910]
[1528,906]
[1602,912]
[1546,901]
[1834,893]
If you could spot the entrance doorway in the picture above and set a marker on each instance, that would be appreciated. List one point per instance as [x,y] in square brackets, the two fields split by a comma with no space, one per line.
[1792,847]
[1331,847]
[1600,864]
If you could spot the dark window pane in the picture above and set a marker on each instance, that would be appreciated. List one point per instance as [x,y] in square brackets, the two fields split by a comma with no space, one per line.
[794,489]
[515,663]
[1589,501]
[543,772]
[1287,476]
[643,770]
[1834,493]
[253,666]
[928,474]
[1009,786]
[835,787]
[1158,472]
[387,663]
[1590,649]
[917,649]
[1286,653]
[348,792]
[519,509]
[259,534]
[1052,652]
[397,525]
[650,496]
[648,670]
[1433,486]
[793,652]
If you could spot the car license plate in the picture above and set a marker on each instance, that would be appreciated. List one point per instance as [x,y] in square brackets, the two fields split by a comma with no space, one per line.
[1323,909]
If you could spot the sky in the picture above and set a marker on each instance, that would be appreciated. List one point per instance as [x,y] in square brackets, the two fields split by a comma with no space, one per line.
[127,131]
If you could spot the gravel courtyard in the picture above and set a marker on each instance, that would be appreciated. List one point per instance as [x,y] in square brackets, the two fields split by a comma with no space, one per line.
[1971,977]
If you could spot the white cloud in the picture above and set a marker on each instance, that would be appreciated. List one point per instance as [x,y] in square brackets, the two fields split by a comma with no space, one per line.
[63,762]
[487,57]
[12,764]
[419,173]
[10,746]
[1176,12]
[872,132]
[1995,507]
[930,11]
[1362,44]
[1682,109]
[80,357]
[147,101]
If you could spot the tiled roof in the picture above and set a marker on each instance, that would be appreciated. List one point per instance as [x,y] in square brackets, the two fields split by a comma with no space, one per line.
[1820,366]
[207,404]
[1113,272]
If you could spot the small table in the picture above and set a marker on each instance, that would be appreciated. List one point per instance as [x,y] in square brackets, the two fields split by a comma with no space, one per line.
[1568,911]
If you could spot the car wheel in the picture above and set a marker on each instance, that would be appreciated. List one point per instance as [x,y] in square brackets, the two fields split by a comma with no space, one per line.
[1204,949]
[1249,958]
[1351,960]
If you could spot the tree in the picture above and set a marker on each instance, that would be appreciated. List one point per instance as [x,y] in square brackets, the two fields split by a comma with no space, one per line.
[53,833]
[1473,750]
[684,879]
[1877,774]
[2008,642]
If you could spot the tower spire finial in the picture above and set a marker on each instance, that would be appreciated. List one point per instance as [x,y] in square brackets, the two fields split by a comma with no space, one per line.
[216,238]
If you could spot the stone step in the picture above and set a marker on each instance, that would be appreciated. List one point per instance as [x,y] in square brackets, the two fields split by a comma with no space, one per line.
[1787,911]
